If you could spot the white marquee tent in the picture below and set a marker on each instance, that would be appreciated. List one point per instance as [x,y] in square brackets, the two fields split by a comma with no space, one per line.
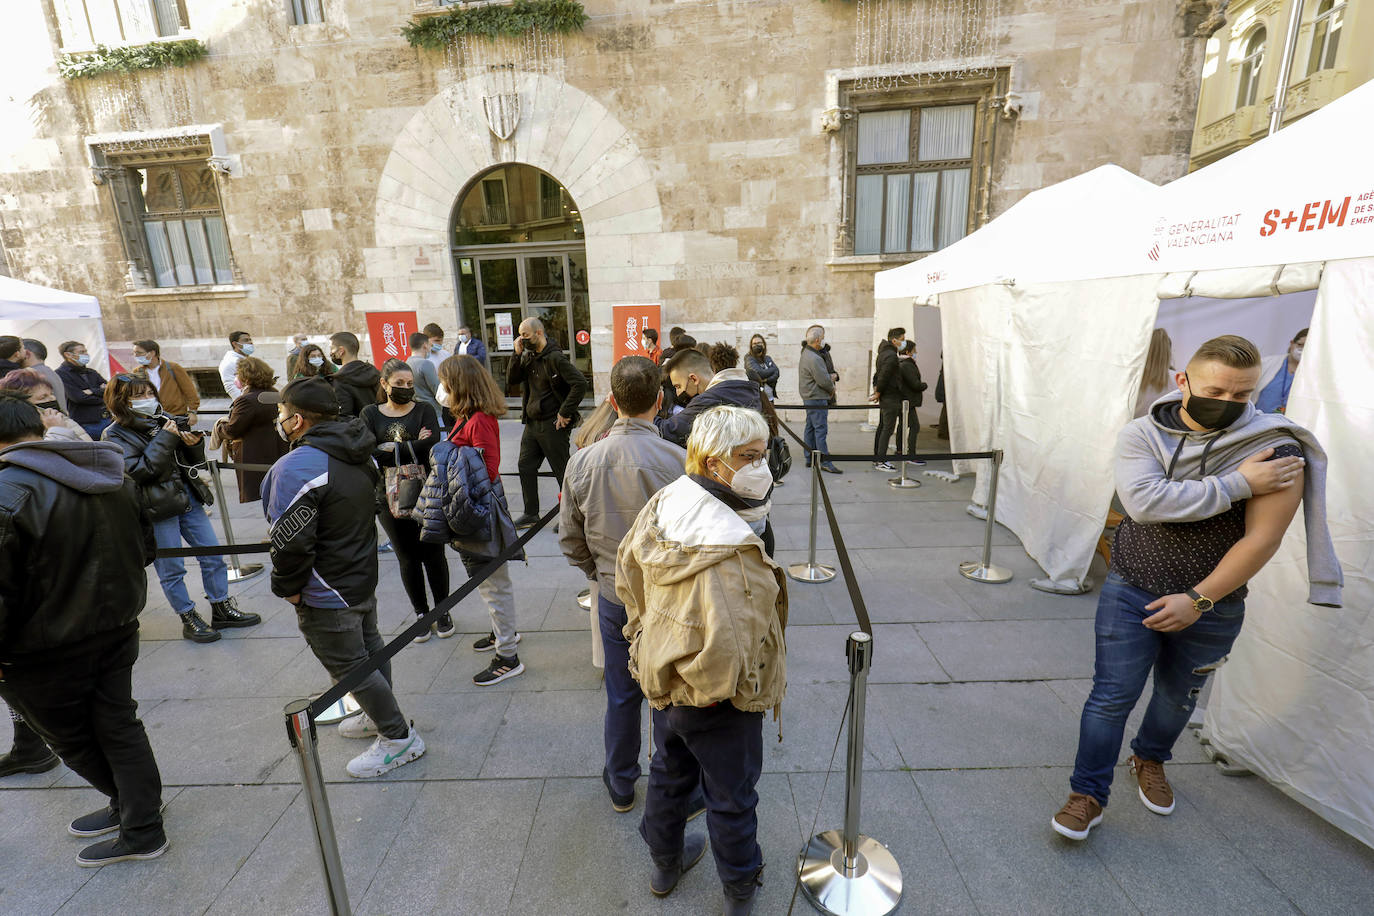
[53,316]
[1046,316]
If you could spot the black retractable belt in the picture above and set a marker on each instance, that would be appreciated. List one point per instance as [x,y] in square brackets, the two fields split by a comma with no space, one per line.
[855,596]
[359,672]
[215,550]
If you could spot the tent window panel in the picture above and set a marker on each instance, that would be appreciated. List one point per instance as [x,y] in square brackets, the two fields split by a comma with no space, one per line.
[954,188]
[868,221]
[924,187]
[884,137]
[898,212]
[164,274]
[946,133]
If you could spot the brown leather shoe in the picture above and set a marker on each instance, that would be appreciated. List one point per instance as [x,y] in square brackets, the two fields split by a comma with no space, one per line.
[1154,790]
[1080,814]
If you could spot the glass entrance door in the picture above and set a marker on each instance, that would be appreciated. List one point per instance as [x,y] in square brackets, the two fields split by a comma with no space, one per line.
[500,289]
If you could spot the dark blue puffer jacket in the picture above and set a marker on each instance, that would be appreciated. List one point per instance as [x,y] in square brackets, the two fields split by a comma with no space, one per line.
[462,506]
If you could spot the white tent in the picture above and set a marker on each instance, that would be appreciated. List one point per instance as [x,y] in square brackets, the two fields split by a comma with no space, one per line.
[53,316]
[1046,316]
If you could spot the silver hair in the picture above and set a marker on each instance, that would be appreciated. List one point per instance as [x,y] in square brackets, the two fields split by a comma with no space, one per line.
[719,431]
[815,334]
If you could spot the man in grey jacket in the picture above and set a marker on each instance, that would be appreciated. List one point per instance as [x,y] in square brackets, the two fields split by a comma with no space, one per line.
[604,488]
[817,386]
[1210,486]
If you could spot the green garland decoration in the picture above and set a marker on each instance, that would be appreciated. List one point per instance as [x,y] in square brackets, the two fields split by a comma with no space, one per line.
[556,16]
[154,56]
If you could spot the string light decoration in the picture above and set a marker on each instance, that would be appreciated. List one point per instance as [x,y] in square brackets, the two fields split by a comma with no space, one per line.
[893,35]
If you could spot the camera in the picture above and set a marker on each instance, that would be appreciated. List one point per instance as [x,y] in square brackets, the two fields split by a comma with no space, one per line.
[183,421]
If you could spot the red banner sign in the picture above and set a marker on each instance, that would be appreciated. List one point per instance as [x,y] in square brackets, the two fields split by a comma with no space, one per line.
[390,333]
[628,323]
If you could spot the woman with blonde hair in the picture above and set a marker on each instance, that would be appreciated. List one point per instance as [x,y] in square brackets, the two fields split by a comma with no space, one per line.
[476,402]
[1158,365]
[706,610]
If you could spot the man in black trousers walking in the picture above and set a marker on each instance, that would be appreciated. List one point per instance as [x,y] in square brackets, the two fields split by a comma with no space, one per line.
[73,552]
[553,390]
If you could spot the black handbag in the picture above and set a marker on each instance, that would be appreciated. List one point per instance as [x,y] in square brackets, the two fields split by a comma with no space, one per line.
[779,457]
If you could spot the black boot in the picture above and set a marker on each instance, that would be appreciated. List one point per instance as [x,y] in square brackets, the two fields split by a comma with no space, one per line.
[667,872]
[226,613]
[29,754]
[196,629]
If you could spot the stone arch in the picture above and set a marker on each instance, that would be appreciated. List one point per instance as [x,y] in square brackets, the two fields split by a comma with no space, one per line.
[563,131]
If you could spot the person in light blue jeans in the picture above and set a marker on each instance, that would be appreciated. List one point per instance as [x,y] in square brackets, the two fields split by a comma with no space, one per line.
[193,526]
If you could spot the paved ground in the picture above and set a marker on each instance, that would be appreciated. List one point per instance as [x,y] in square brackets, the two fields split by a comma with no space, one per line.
[973,713]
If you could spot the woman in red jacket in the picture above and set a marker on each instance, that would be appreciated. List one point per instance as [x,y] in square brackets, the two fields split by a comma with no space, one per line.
[476,402]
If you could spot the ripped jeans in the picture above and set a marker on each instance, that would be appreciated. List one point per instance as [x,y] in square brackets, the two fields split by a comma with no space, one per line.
[1127,651]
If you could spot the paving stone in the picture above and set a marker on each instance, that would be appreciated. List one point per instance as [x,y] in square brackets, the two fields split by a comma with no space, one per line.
[816,654]
[553,660]
[549,733]
[1008,650]
[811,715]
[996,826]
[225,669]
[40,872]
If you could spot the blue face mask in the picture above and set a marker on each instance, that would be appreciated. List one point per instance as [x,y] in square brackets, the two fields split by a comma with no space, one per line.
[84,359]
[143,360]
[246,349]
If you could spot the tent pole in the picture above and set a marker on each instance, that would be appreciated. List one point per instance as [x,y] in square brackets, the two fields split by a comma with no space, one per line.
[1290,44]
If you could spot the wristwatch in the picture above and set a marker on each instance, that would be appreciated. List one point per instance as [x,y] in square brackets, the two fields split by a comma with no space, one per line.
[1201,603]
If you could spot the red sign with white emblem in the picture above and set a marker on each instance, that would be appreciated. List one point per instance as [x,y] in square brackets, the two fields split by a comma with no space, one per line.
[627,327]
[390,333]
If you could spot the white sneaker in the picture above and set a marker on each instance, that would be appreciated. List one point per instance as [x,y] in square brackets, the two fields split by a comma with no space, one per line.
[359,726]
[386,754]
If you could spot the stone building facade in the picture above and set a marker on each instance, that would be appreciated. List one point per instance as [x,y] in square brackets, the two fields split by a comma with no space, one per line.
[724,158]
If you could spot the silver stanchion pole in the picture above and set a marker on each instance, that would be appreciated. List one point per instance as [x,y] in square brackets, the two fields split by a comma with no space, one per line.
[903,482]
[811,571]
[984,570]
[301,731]
[843,872]
[237,571]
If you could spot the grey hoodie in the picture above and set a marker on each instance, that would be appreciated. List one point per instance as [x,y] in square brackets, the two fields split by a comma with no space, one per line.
[1160,478]
[83,465]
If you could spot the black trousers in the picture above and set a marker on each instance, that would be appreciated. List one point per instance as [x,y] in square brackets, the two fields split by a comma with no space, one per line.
[417,560]
[719,748]
[539,442]
[888,413]
[83,706]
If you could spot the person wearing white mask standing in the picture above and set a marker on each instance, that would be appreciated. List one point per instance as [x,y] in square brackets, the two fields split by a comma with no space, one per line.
[159,455]
[176,392]
[240,345]
[1276,377]
[706,611]
[471,346]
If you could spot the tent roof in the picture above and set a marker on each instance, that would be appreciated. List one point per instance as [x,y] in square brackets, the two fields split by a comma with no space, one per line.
[20,301]
[1291,198]
[1072,230]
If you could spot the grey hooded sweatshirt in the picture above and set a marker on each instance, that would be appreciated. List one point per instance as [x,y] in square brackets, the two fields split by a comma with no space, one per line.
[1172,475]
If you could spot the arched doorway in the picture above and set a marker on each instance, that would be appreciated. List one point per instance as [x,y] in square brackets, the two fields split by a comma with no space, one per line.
[519,252]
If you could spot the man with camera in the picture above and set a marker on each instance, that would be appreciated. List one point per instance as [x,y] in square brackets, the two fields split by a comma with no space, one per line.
[553,390]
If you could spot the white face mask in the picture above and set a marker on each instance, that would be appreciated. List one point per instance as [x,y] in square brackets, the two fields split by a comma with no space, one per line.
[1297,352]
[441,394]
[143,360]
[753,481]
[84,359]
[462,338]
[144,406]
[316,360]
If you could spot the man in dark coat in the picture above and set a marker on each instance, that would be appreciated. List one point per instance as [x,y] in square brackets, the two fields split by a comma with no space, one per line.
[69,639]
[357,383]
[553,390]
[85,388]
[887,392]
[690,373]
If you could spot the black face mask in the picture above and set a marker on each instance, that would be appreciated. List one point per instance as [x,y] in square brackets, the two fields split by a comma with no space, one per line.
[45,405]
[758,348]
[1212,413]
[402,395]
[682,399]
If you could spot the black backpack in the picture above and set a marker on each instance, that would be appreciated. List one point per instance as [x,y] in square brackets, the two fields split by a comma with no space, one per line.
[779,457]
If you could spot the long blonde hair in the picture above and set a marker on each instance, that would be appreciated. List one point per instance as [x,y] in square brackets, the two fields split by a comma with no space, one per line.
[1158,362]
[596,425]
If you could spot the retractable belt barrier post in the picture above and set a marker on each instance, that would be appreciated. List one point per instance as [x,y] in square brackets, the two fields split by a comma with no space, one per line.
[984,570]
[237,571]
[811,571]
[300,729]
[903,482]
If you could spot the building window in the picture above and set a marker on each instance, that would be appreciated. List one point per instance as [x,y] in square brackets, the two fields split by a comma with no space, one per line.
[183,225]
[87,23]
[1326,36]
[306,12]
[914,169]
[166,198]
[1250,66]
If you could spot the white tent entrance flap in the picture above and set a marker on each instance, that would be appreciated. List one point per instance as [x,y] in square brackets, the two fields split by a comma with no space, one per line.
[53,316]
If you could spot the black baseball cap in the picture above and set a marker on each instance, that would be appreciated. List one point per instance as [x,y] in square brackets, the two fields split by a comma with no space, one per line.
[313,394]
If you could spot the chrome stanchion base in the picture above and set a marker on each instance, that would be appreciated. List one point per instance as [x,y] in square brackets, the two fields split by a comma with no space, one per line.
[584,599]
[247,571]
[346,708]
[995,575]
[808,572]
[872,887]
[903,483]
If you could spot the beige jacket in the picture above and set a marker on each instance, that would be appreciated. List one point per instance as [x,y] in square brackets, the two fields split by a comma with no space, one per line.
[705,606]
[605,486]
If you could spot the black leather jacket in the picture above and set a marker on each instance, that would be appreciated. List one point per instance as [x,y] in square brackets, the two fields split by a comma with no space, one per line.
[73,547]
[150,454]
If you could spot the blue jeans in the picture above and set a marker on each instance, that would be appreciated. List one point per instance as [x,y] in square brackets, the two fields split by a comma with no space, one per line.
[721,748]
[195,527]
[817,427]
[624,700]
[1127,651]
